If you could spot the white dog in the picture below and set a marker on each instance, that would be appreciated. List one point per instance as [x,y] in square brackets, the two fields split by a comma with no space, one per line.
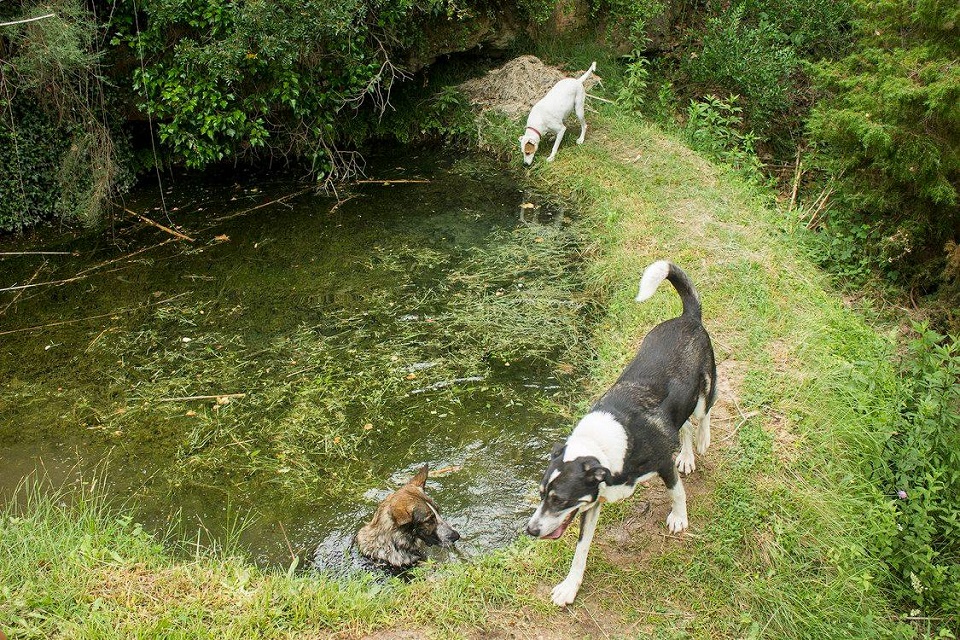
[547,115]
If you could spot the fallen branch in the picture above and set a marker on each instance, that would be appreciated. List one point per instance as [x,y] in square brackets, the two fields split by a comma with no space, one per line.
[101,315]
[216,396]
[159,226]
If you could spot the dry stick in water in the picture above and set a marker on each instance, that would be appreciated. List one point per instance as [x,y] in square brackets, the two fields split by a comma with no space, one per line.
[20,292]
[340,202]
[159,226]
[123,257]
[262,205]
[4,254]
[389,182]
[101,315]
[215,396]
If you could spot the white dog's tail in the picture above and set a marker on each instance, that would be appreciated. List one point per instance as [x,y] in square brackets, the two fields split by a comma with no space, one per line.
[593,67]
[662,270]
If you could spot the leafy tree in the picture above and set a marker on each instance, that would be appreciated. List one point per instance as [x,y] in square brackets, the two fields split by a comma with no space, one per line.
[888,130]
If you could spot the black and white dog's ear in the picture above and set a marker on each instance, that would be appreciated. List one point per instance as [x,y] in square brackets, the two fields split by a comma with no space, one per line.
[596,472]
[558,450]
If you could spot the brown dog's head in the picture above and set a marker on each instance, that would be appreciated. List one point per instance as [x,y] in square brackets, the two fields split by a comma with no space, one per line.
[405,522]
[411,507]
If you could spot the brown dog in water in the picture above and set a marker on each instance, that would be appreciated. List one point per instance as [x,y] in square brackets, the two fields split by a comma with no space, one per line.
[404,524]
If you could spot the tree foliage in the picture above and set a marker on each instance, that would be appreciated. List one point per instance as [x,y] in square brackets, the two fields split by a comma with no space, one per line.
[887,131]
[60,153]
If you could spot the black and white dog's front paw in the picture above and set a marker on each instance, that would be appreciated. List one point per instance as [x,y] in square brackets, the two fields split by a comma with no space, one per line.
[565,592]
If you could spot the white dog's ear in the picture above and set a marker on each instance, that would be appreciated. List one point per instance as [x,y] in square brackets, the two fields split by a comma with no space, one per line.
[520,139]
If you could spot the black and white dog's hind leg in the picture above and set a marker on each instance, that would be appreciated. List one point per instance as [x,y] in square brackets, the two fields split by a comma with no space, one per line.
[685,460]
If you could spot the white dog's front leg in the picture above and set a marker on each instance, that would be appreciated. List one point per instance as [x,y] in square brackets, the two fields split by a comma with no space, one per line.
[565,592]
[556,144]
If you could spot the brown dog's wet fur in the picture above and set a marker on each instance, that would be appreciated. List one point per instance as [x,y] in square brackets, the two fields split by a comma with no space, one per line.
[405,523]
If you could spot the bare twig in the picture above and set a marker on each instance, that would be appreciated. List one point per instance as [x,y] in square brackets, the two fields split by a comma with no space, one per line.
[17,287]
[815,218]
[590,95]
[293,556]
[123,257]
[796,183]
[340,202]
[745,417]
[150,222]
[25,21]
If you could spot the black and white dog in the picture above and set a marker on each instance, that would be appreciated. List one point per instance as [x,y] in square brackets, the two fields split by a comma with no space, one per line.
[631,433]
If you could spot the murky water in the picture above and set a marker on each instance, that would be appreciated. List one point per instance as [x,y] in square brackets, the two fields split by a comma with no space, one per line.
[298,360]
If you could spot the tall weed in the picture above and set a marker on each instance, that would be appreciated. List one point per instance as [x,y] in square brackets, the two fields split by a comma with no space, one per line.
[922,477]
[715,127]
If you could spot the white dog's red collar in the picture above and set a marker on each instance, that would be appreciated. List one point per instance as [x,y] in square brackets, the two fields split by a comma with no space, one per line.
[539,135]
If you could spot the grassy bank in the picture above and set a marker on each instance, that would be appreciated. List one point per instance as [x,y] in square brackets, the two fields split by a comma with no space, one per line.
[781,511]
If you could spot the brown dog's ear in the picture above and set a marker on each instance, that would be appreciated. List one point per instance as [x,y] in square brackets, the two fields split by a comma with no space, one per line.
[529,148]
[420,480]
[401,513]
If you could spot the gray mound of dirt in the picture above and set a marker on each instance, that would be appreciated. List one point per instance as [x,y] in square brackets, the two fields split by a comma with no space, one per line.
[516,86]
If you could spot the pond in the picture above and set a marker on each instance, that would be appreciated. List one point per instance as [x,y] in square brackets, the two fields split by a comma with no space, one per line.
[302,356]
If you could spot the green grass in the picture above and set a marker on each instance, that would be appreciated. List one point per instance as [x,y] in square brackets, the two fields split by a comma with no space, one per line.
[783,517]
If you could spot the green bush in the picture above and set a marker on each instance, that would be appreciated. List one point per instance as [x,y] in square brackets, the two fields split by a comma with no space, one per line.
[887,131]
[28,167]
[922,476]
[753,61]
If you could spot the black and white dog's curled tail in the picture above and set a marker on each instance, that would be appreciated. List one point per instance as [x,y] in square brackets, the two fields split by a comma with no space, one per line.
[593,67]
[663,270]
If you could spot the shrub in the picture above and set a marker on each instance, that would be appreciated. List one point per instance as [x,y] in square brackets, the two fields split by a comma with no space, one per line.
[54,103]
